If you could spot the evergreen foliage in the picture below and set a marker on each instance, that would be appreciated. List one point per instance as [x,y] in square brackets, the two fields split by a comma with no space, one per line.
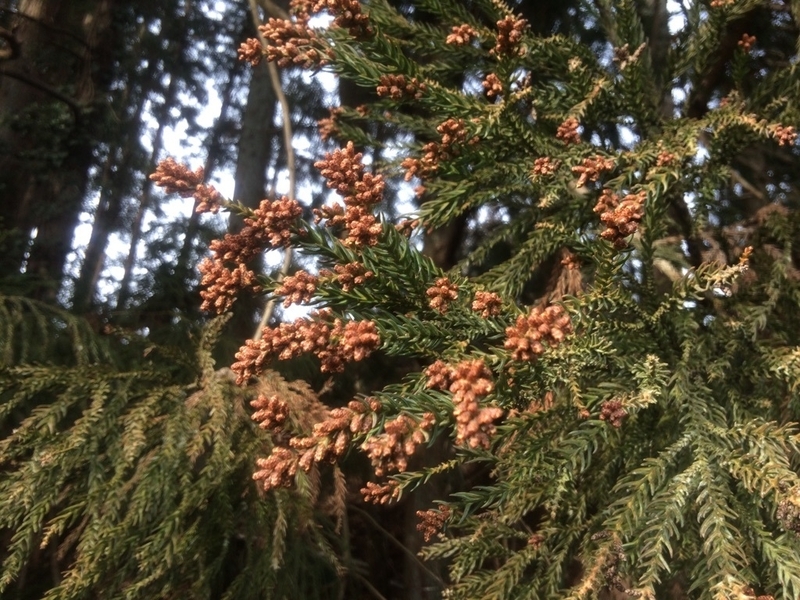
[131,476]
[627,299]
[611,369]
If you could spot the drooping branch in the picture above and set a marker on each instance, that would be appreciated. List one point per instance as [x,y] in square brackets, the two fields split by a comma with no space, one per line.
[47,89]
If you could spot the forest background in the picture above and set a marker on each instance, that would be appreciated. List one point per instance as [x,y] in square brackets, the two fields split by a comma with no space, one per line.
[153,495]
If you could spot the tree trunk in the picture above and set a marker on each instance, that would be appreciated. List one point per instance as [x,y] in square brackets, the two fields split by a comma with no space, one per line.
[255,153]
[44,174]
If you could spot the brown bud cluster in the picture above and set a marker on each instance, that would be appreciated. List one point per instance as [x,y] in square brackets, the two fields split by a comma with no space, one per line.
[721,3]
[461,35]
[274,218]
[469,381]
[749,592]
[442,294]
[524,339]
[487,303]
[568,133]
[665,159]
[333,343]
[287,43]
[222,284]
[397,87]
[544,165]
[536,540]
[454,134]
[328,442]
[327,127]
[351,274]
[431,522]
[347,15]
[381,494]
[785,136]
[788,514]
[298,288]
[345,173]
[747,41]
[614,412]
[278,469]
[267,226]
[492,86]
[591,168]
[621,217]
[271,412]
[178,179]
[407,226]
[390,451]
[509,35]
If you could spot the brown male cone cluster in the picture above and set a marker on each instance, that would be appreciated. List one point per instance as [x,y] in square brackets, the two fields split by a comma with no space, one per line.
[620,216]
[335,343]
[328,441]
[524,339]
[344,171]
[469,381]
[454,135]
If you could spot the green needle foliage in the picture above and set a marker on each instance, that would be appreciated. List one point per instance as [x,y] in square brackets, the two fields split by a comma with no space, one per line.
[132,478]
[647,444]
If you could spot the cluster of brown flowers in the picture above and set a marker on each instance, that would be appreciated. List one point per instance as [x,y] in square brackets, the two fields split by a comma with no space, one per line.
[329,441]
[334,343]
[751,593]
[786,136]
[721,3]
[398,87]
[288,43]
[407,226]
[347,15]
[431,522]
[614,412]
[271,412]
[621,217]
[524,339]
[746,42]
[461,35]
[268,225]
[665,158]
[381,494]
[469,381]
[509,35]
[222,284]
[278,469]
[441,294]
[390,451]
[327,126]
[591,168]
[454,134]
[344,172]
[487,303]
[351,274]
[178,179]
[568,133]
[544,165]
[492,86]
[788,512]
[298,288]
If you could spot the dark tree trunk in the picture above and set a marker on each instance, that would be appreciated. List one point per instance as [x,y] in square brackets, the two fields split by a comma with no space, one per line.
[255,153]
[65,64]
